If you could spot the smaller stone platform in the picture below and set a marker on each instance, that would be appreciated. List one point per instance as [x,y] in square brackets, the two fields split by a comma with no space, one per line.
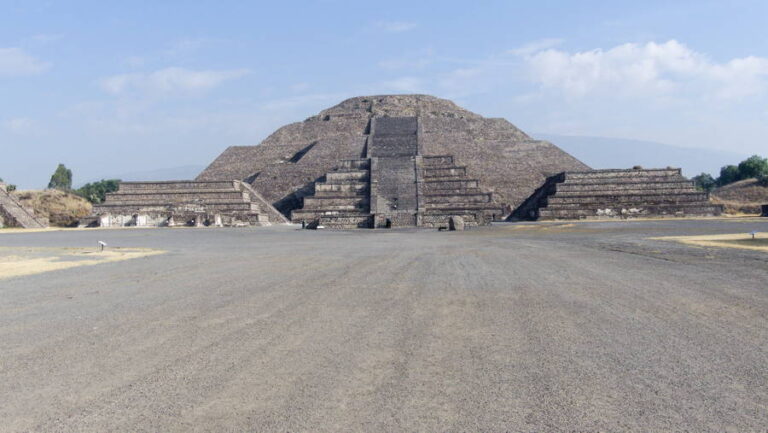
[183,203]
[617,193]
[14,214]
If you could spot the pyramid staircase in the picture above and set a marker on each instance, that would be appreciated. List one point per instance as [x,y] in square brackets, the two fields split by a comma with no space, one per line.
[604,194]
[342,199]
[396,186]
[13,214]
[220,203]
[445,190]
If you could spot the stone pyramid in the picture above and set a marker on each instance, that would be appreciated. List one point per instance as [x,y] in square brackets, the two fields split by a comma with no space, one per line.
[466,162]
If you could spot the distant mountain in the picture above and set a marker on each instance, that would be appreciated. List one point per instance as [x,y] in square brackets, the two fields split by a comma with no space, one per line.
[602,152]
[172,173]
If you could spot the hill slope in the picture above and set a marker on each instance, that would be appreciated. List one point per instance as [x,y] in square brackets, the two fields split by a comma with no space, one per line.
[62,209]
[744,196]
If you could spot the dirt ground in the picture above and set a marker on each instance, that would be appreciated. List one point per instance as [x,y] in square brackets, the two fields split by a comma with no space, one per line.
[517,327]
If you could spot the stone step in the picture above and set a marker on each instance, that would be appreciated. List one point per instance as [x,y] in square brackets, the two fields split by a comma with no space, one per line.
[622,191]
[627,199]
[175,185]
[347,176]
[428,207]
[442,172]
[452,184]
[354,193]
[640,211]
[613,183]
[341,187]
[609,181]
[314,202]
[392,146]
[297,215]
[191,196]
[441,219]
[457,198]
[453,178]
[349,221]
[174,191]
[437,160]
[173,200]
[192,207]
[452,191]
[618,173]
[355,164]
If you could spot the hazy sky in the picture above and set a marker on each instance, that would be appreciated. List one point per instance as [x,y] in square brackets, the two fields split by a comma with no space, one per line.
[114,87]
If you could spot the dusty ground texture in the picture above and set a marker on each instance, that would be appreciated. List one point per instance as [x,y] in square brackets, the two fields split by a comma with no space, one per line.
[540,327]
[20,261]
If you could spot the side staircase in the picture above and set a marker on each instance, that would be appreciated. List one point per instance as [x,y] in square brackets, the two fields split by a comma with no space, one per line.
[219,203]
[13,214]
[342,200]
[446,190]
[604,194]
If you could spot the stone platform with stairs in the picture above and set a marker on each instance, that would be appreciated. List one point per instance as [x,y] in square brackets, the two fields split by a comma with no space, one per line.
[396,186]
[178,203]
[13,214]
[617,193]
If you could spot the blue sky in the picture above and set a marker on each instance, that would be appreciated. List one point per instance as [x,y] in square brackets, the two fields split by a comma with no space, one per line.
[115,87]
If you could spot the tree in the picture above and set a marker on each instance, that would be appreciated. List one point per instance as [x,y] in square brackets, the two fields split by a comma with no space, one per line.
[754,166]
[96,192]
[9,187]
[61,178]
[704,181]
[728,174]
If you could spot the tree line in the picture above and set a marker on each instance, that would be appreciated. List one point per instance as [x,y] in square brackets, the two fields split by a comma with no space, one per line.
[94,192]
[754,167]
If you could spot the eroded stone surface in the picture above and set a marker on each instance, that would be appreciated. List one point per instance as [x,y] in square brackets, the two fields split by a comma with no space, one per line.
[285,166]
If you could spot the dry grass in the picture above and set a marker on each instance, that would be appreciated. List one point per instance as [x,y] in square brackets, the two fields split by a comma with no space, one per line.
[62,209]
[737,240]
[742,197]
[18,262]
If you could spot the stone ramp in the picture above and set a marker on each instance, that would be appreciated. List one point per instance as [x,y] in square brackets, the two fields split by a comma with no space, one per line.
[13,214]
[616,193]
[393,149]
[184,202]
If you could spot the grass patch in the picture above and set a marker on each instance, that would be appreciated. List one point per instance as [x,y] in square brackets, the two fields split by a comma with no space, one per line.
[737,240]
[18,262]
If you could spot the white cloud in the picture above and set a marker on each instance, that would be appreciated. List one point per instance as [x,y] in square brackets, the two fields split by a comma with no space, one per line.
[135,61]
[666,69]
[534,46]
[169,80]
[404,84]
[16,62]
[46,38]
[396,26]
[19,125]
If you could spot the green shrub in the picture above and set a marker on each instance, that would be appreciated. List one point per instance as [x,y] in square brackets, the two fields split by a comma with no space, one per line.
[704,182]
[96,192]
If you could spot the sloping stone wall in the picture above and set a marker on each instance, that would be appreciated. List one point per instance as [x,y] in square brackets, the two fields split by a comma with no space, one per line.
[504,159]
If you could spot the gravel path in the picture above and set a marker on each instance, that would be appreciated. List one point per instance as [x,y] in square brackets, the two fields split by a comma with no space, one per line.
[585,327]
